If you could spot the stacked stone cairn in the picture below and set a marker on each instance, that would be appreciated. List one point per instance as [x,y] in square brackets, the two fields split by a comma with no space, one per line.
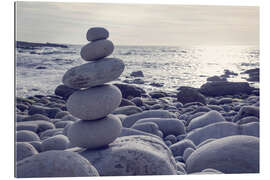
[94,100]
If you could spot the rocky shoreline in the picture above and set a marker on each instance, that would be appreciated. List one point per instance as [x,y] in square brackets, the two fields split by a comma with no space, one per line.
[92,127]
[183,124]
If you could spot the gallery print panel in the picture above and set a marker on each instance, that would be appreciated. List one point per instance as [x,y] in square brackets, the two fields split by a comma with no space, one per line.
[136,89]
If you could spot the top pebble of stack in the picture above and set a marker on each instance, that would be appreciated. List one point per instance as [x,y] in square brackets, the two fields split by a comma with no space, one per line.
[97,33]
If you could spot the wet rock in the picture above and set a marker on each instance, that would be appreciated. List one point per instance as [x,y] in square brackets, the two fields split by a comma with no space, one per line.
[189,94]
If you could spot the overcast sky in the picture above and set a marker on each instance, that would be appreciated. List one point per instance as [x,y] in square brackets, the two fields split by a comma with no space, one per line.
[133,24]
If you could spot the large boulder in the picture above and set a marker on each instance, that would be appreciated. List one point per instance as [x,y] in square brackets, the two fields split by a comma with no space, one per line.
[128,90]
[130,120]
[166,125]
[215,130]
[133,155]
[94,103]
[94,73]
[55,164]
[205,119]
[225,88]
[233,154]
[189,94]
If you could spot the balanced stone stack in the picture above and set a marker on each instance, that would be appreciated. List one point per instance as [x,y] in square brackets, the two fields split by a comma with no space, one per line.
[93,100]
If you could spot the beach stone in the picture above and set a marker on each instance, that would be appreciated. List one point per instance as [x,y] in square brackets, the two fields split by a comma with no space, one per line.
[24,150]
[97,33]
[28,127]
[22,107]
[61,114]
[133,155]
[62,124]
[215,107]
[148,127]
[192,116]
[35,117]
[215,130]
[42,125]
[94,73]
[187,153]
[20,117]
[168,126]
[181,137]
[248,119]
[189,94]
[137,74]
[64,91]
[126,102]
[137,101]
[96,50]
[168,142]
[121,116]
[26,136]
[225,88]
[94,103]
[50,132]
[37,145]
[132,132]
[171,138]
[58,142]
[225,101]
[179,159]
[216,78]
[55,164]
[238,154]
[250,129]
[127,110]
[95,134]
[69,117]
[205,119]
[181,167]
[128,90]
[247,111]
[205,142]
[49,112]
[130,120]
[179,147]
[208,171]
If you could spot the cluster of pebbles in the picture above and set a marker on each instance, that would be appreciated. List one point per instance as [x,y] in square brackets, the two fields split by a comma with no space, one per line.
[109,130]
[93,100]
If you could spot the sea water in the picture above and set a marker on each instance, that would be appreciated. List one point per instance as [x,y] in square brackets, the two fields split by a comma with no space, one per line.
[40,70]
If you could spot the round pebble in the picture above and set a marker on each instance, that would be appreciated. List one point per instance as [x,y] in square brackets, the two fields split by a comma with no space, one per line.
[97,50]
[94,103]
[95,134]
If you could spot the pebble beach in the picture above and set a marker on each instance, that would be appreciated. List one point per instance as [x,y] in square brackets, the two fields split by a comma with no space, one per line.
[96,123]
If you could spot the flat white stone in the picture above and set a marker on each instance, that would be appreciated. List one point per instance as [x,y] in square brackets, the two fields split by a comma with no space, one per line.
[93,73]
